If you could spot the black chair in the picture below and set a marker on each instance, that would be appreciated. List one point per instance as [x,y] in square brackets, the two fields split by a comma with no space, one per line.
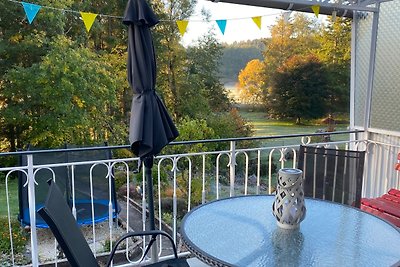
[57,214]
[332,174]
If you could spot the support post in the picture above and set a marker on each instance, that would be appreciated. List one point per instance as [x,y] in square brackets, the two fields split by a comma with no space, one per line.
[32,211]
[371,71]
[232,169]
[148,165]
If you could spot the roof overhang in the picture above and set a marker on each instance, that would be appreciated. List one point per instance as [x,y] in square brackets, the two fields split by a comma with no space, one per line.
[342,8]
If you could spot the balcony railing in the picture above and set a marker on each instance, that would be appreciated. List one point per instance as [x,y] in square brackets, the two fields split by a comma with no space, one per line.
[183,181]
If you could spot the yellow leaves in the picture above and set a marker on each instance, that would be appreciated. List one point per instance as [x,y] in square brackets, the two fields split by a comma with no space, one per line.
[78,102]
[251,82]
[16,38]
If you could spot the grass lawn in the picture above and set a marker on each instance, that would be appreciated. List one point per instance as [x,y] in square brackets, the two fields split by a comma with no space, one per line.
[264,126]
[13,198]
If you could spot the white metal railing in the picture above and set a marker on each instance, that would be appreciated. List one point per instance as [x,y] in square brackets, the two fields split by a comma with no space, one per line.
[197,178]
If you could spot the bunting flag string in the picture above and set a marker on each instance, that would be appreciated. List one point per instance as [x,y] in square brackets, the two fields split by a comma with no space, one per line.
[31,10]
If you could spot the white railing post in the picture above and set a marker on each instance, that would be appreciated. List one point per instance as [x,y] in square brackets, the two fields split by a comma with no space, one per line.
[232,168]
[32,211]
[203,190]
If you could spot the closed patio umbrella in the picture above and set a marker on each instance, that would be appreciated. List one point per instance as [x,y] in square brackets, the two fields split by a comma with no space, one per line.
[151,128]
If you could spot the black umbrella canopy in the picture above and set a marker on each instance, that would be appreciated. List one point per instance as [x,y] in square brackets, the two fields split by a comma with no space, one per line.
[151,128]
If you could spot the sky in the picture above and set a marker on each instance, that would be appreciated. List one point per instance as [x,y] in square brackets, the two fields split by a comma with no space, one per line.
[240,26]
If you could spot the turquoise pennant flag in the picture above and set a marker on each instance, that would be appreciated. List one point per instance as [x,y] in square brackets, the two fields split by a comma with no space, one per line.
[30,10]
[222,25]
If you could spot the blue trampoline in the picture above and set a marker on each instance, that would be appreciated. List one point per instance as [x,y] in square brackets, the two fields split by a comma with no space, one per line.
[84,213]
[74,185]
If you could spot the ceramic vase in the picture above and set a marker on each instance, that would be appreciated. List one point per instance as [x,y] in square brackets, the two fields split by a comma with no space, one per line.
[288,207]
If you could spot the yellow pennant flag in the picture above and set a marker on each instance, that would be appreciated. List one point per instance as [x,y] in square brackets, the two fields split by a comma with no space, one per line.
[315,9]
[182,25]
[88,19]
[257,21]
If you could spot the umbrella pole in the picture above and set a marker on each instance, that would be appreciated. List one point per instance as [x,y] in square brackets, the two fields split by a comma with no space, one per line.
[148,165]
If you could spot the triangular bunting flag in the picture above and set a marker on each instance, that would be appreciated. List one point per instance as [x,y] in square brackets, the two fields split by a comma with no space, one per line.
[30,10]
[182,25]
[222,25]
[315,9]
[88,19]
[257,21]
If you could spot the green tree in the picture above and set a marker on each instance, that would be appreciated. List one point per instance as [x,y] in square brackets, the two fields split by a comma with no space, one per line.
[299,89]
[335,40]
[55,90]
[203,62]
[22,43]
[334,52]
[170,53]
[106,32]
[67,97]
[296,36]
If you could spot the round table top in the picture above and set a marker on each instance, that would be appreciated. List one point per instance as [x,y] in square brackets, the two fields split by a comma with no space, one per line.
[242,231]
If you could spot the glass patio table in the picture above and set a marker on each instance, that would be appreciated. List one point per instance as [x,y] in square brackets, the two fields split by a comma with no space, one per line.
[241,231]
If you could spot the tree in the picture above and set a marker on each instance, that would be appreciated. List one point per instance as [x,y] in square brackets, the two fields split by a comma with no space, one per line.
[235,57]
[106,32]
[335,49]
[170,53]
[60,84]
[67,97]
[251,82]
[203,62]
[23,44]
[335,40]
[296,36]
[299,89]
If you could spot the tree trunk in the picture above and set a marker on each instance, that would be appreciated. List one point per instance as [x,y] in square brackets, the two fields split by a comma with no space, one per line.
[12,138]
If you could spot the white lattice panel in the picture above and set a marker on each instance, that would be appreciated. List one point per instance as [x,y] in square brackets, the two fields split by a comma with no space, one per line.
[363,44]
[385,112]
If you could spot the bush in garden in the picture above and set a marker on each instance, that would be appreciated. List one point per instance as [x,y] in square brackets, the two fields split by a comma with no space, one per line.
[19,236]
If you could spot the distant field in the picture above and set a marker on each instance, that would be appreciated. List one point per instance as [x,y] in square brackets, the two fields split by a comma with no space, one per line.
[263,126]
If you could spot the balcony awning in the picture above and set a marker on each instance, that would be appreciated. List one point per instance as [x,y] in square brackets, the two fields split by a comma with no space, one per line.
[342,8]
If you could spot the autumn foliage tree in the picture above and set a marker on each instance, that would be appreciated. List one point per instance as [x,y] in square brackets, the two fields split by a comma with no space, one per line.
[301,44]
[251,82]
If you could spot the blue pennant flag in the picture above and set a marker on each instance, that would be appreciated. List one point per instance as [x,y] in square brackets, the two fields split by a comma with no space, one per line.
[222,25]
[30,10]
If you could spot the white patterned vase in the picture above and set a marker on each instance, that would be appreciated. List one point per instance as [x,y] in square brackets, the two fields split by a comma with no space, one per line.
[288,207]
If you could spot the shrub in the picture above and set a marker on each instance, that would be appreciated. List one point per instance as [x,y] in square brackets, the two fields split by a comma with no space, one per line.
[119,179]
[167,206]
[19,236]
[167,218]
